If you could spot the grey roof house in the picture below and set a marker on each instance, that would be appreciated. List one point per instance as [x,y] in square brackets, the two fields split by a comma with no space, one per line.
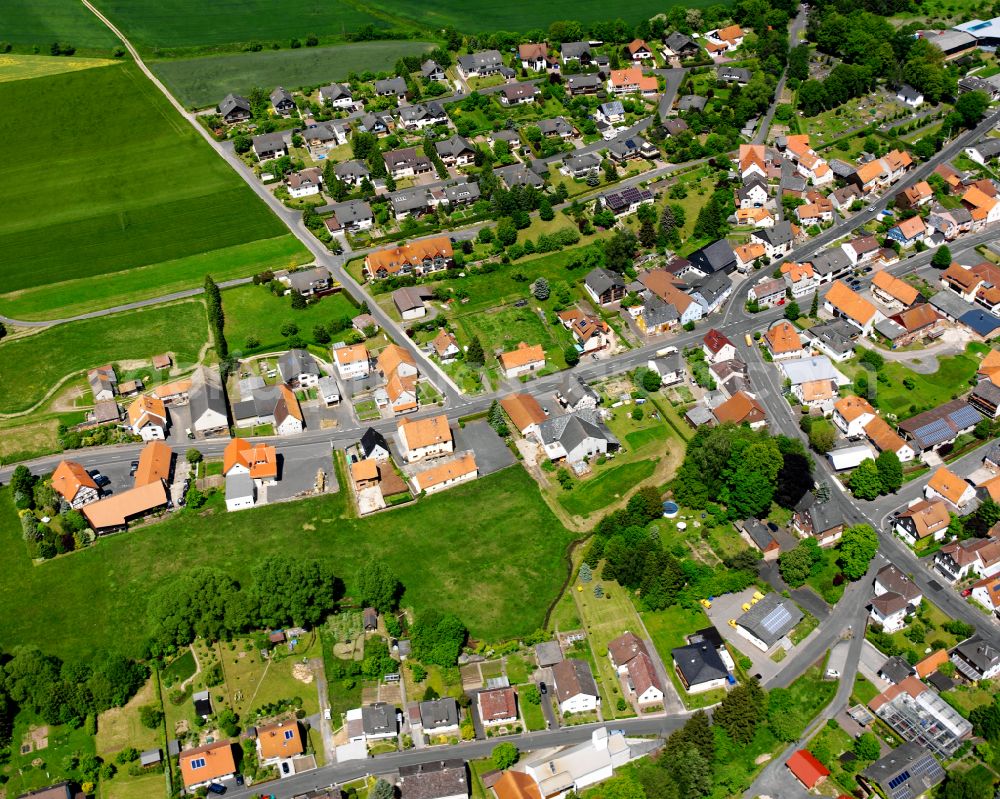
[234,108]
[770,620]
[281,100]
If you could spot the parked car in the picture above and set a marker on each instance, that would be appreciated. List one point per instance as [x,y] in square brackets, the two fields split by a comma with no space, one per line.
[215,787]
[542,688]
[966,591]
[99,478]
[133,468]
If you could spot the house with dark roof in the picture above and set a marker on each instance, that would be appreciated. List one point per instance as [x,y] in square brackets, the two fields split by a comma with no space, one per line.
[440,716]
[700,667]
[691,102]
[757,534]
[234,108]
[583,84]
[604,286]
[422,115]
[442,779]
[281,101]
[575,51]
[455,151]
[298,369]
[337,95]
[268,146]
[904,773]
[373,445]
[432,70]
[715,257]
[976,659]
[391,87]
[940,425]
[379,721]
[576,436]
[819,520]
[681,45]
[736,75]
[481,64]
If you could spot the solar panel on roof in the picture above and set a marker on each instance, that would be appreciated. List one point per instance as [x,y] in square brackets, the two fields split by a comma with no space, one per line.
[965,417]
[899,779]
[933,433]
[776,619]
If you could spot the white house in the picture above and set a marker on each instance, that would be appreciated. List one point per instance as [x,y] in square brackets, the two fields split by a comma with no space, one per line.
[447,474]
[353,361]
[909,96]
[852,414]
[921,520]
[575,689]
[72,482]
[896,597]
[304,183]
[640,682]
[147,417]
[718,347]
[522,360]
[576,436]
[945,484]
[424,438]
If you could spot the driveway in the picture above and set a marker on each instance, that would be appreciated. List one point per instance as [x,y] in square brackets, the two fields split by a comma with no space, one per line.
[492,453]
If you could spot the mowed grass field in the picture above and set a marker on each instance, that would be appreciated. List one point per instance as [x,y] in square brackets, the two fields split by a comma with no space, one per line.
[82,295]
[26,23]
[255,311]
[108,178]
[34,364]
[499,576]
[201,82]
[178,24]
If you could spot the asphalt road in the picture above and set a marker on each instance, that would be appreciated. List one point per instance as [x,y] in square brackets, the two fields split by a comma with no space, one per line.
[339,773]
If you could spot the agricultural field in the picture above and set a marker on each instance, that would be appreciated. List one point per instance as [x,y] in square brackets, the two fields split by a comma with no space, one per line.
[96,598]
[83,295]
[498,15]
[202,82]
[134,188]
[38,23]
[67,349]
[189,25]
[25,67]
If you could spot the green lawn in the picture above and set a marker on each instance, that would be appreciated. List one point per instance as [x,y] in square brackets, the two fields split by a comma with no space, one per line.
[118,190]
[73,297]
[28,23]
[255,311]
[504,329]
[63,350]
[489,290]
[864,691]
[610,483]
[822,582]
[201,82]
[809,694]
[533,716]
[97,598]
[952,376]
[179,669]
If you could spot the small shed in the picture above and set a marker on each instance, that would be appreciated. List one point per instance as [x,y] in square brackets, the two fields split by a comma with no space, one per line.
[277,637]
[151,757]
[162,361]
[548,653]
[370,618]
[202,704]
